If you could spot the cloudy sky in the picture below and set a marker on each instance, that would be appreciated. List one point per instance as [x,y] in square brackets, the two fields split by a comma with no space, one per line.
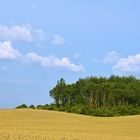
[44,40]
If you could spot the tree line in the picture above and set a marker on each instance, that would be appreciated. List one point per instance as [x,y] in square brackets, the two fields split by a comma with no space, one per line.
[100,96]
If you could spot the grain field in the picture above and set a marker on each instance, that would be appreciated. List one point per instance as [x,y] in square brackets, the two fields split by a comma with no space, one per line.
[26,124]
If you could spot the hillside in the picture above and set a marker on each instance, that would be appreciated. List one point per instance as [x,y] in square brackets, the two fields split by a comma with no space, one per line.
[26,124]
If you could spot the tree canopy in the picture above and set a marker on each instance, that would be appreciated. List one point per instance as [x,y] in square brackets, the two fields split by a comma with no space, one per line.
[92,93]
[96,96]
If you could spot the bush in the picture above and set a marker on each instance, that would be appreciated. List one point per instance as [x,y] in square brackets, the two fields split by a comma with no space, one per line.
[129,110]
[21,106]
[102,112]
[76,109]
[85,111]
[32,107]
[39,106]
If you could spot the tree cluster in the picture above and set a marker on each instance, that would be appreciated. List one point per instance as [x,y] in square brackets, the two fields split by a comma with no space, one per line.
[95,95]
[23,106]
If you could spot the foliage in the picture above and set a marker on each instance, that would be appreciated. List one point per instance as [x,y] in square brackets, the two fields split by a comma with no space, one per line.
[21,106]
[99,96]
[96,96]
[32,107]
[25,106]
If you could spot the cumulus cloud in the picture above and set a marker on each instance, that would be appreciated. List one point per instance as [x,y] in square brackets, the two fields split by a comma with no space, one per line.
[130,64]
[40,35]
[58,40]
[8,52]
[34,57]
[28,34]
[111,57]
[54,62]
[23,33]
[15,33]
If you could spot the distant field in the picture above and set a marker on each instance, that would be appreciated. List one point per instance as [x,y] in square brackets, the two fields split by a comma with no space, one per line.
[51,125]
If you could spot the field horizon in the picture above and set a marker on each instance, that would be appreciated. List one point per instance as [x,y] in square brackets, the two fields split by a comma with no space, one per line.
[28,124]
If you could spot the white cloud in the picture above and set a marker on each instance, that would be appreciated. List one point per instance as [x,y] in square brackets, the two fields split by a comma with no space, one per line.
[54,62]
[8,52]
[15,33]
[111,57]
[130,64]
[39,35]
[33,57]
[28,34]
[65,62]
[58,40]
[120,64]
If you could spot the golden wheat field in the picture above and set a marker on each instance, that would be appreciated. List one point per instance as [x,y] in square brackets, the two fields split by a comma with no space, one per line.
[26,124]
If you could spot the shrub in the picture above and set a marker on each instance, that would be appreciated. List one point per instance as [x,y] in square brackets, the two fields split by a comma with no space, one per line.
[32,107]
[21,106]
[39,106]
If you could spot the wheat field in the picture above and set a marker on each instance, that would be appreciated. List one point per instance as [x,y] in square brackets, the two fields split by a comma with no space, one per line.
[26,124]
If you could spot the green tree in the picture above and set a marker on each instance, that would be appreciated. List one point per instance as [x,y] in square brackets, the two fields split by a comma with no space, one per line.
[58,92]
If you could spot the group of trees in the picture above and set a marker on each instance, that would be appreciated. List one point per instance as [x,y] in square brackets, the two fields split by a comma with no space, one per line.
[97,92]
[93,93]
[25,106]
[99,96]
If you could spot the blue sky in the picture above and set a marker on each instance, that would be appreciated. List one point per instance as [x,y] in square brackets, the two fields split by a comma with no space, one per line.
[42,41]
